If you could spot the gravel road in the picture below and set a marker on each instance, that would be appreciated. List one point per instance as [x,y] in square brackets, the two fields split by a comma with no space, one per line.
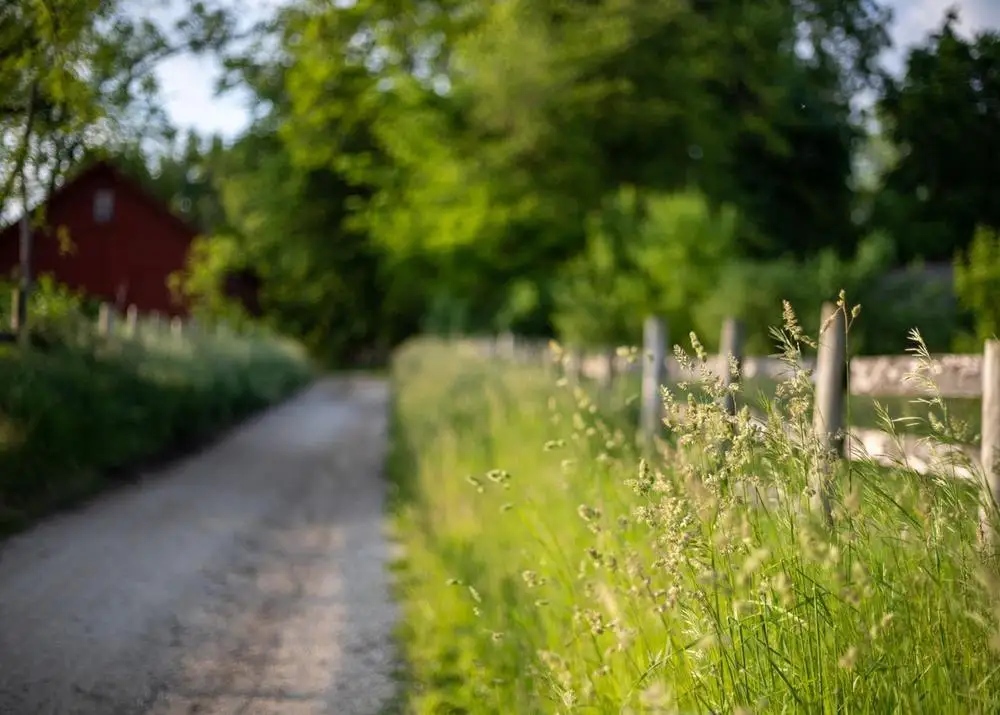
[249,579]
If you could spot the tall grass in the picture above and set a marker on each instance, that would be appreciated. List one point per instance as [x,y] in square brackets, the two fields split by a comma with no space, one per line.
[82,409]
[548,569]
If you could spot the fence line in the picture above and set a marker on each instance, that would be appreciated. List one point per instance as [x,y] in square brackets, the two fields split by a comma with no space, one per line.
[947,376]
[132,324]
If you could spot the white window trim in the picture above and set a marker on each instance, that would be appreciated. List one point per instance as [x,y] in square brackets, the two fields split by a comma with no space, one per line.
[104,205]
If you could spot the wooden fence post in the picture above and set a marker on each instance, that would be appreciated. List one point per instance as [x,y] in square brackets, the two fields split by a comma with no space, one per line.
[177,327]
[731,348]
[828,406]
[654,368]
[990,450]
[606,376]
[15,310]
[508,346]
[105,320]
[828,411]
[131,321]
[574,366]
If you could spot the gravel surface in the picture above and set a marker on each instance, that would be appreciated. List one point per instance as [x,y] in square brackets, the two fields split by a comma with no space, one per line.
[249,579]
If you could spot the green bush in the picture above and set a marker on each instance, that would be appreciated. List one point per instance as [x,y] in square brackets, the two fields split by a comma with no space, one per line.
[548,570]
[676,256]
[73,414]
[659,253]
[977,282]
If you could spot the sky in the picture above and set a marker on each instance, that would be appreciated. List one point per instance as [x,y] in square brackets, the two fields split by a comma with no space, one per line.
[187,81]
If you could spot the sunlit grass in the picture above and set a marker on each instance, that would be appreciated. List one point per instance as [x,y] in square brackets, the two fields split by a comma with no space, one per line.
[548,570]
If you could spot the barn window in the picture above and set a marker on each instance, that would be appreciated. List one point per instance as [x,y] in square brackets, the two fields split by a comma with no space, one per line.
[104,205]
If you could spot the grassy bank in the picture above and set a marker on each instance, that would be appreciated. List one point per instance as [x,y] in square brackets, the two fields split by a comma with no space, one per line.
[75,414]
[546,571]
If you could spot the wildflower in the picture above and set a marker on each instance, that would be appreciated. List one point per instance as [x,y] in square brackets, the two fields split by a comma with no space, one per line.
[755,560]
[588,513]
[656,698]
[646,481]
[706,642]
[499,476]
[742,609]
[849,659]
[532,579]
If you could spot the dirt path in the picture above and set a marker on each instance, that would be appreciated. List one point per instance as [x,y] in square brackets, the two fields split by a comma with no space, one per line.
[247,580]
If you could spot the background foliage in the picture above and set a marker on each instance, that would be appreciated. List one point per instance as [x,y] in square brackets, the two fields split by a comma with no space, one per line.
[547,167]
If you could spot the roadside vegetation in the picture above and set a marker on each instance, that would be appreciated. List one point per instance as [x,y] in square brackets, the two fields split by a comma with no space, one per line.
[548,569]
[909,415]
[79,411]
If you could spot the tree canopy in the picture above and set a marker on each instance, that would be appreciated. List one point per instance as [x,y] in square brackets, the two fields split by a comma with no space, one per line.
[549,166]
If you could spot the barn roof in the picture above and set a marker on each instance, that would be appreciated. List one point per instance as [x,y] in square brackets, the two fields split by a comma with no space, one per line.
[88,169]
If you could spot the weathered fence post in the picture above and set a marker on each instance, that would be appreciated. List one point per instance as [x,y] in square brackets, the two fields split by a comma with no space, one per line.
[828,411]
[26,260]
[606,374]
[105,320]
[828,407]
[731,349]
[15,310]
[573,366]
[155,322]
[990,450]
[654,368]
[131,321]
[508,346]
[177,327]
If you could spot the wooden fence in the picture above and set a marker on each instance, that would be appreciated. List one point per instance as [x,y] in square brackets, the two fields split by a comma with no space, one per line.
[131,324]
[949,376]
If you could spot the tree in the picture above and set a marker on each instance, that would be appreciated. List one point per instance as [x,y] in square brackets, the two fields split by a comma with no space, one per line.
[78,75]
[977,282]
[944,116]
[488,132]
[75,77]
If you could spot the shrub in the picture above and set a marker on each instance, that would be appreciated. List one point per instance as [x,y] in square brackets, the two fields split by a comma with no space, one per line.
[659,253]
[977,282]
[75,413]
[549,570]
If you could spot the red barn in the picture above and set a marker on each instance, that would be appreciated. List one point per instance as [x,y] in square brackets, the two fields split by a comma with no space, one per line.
[108,238]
